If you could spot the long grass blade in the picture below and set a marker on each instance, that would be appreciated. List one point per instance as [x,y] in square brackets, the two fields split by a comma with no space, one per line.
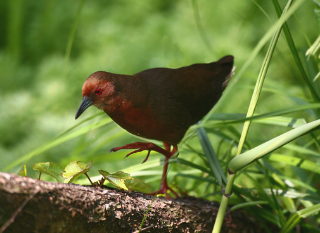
[73,30]
[253,103]
[294,161]
[202,32]
[258,152]
[211,156]
[223,119]
[57,142]
[263,41]
[295,54]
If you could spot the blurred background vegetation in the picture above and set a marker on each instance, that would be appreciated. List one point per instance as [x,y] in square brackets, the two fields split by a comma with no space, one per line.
[48,48]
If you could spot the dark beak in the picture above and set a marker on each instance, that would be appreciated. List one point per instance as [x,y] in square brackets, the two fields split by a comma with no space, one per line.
[86,103]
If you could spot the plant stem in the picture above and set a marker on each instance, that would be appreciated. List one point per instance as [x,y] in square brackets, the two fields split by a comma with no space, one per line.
[86,174]
[224,203]
[252,106]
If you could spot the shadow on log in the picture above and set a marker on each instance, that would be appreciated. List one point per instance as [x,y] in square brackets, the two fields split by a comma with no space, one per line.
[29,205]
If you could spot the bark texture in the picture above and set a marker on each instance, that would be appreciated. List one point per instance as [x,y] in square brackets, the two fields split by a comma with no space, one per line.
[29,205]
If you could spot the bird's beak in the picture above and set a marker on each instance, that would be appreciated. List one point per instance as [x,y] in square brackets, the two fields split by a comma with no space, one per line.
[86,103]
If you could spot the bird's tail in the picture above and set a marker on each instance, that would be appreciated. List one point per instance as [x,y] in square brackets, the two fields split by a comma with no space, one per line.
[227,61]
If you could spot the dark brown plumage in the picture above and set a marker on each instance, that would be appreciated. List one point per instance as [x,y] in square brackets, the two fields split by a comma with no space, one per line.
[159,103]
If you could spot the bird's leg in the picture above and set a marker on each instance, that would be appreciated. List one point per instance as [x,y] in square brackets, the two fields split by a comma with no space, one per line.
[164,184]
[167,152]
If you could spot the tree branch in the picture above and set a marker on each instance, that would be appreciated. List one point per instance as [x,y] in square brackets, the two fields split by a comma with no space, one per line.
[29,205]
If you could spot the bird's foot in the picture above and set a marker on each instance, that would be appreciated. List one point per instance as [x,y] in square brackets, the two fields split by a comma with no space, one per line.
[141,146]
[167,151]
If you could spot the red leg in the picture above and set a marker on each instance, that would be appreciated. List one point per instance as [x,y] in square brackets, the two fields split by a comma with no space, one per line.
[167,152]
[164,184]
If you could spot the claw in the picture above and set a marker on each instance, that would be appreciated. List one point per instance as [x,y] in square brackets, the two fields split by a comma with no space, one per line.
[147,157]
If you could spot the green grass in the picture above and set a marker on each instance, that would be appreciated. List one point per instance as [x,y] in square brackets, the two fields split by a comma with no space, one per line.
[50,48]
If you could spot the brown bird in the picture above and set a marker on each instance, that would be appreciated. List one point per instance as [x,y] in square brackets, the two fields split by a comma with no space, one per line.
[158,103]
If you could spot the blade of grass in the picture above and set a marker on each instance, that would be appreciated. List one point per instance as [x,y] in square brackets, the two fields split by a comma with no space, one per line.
[314,48]
[303,150]
[252,155]
[294,161]
[276,27]
[296,217]
[262,10]
[191,164]
[14,24]
[73,30]
[223,119]
[211,156]
[197,19]
[248,204]
[282,121]
[57,142]
[80,123]
[251,109]
[295,54]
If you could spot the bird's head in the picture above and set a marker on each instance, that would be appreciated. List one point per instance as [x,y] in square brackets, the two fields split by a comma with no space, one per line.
[95,91]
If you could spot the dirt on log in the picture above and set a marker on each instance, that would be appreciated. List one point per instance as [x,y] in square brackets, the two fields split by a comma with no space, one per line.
[29,205]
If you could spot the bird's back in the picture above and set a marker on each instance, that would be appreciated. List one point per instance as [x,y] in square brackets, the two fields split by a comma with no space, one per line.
[180,97]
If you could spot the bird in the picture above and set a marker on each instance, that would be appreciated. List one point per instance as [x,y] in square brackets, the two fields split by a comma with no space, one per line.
[158,103]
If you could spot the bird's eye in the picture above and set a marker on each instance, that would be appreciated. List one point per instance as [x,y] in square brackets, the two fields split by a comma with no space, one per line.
[98,91]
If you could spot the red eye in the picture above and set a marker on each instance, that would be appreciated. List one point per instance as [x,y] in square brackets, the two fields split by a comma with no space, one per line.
[98,91]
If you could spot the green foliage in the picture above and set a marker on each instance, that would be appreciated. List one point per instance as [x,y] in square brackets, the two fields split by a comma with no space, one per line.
[117,179]
[246,158]
[74,169]
[125,181]
[211,156]
[50,47]
[298,215]
[23,171]
[48,168]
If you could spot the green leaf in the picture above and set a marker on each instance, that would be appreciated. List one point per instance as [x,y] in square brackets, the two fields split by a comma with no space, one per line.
[23,171]
[289,204]
[48,168]
[211,156]
[135,170]
[124,181]
[119,175]
[252,155]
[248,204]
[118,178]
[296,217]
[74,169]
